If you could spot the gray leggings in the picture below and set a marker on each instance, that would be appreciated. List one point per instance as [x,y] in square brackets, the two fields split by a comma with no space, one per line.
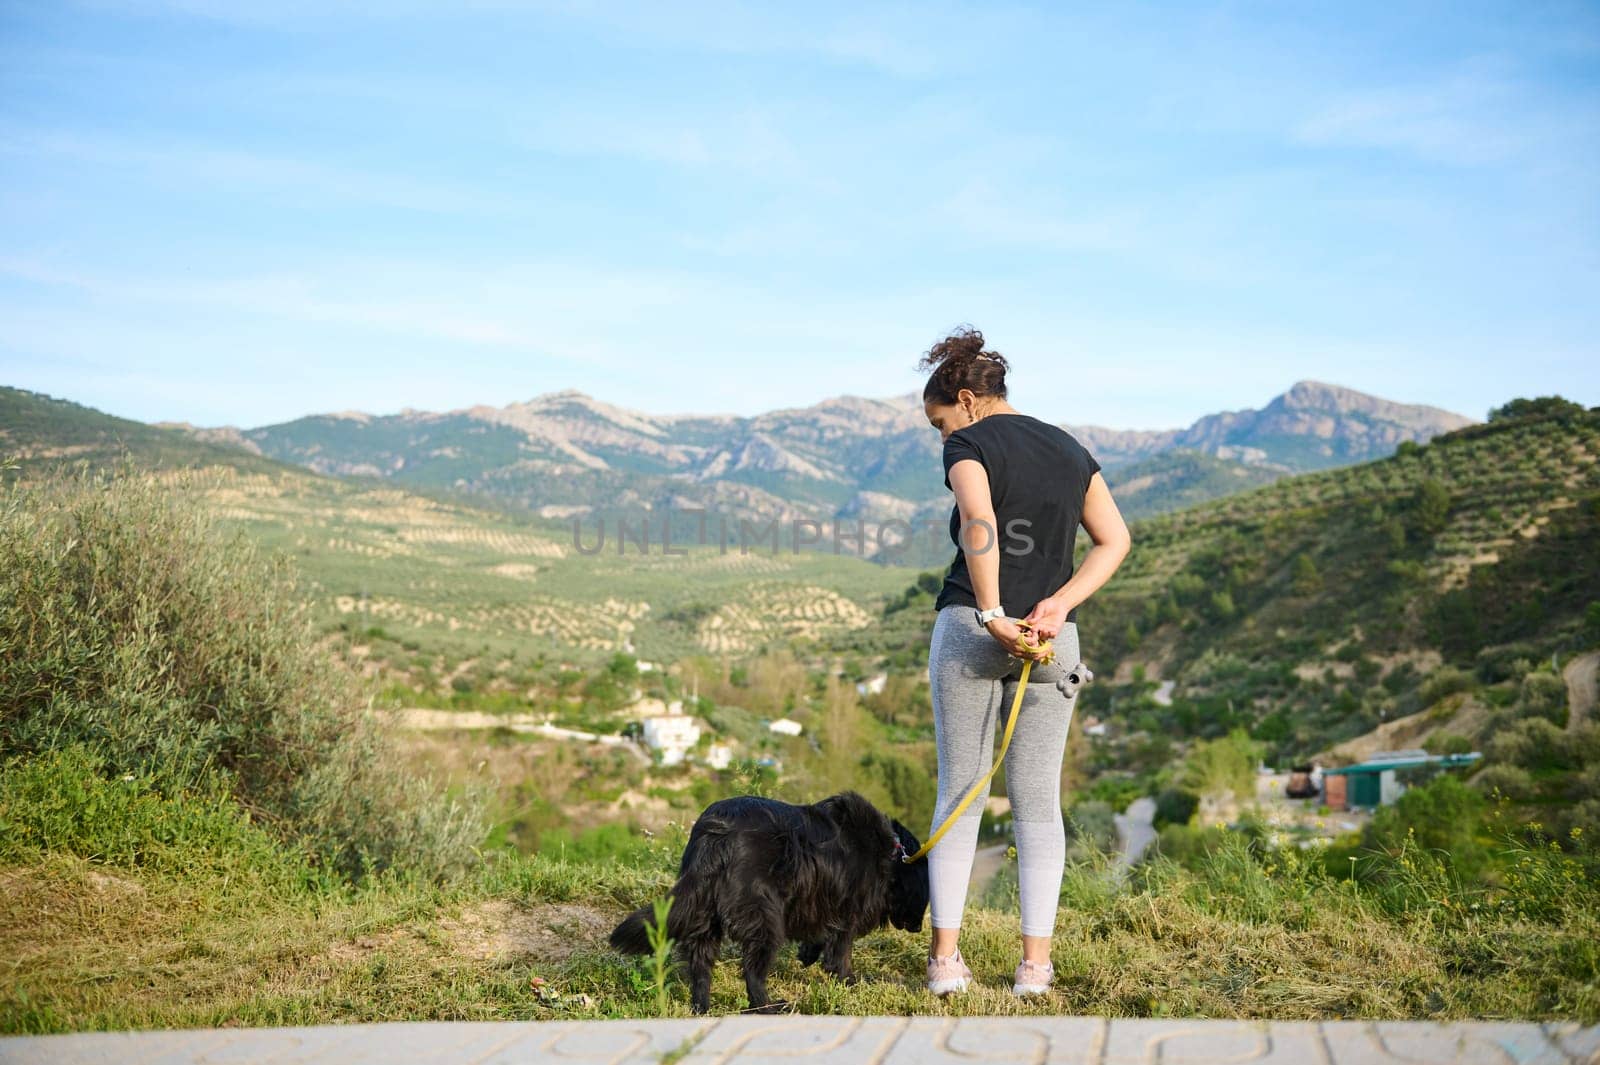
[973,681]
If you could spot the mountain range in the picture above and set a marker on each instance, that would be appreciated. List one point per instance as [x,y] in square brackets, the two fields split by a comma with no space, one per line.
[567,454]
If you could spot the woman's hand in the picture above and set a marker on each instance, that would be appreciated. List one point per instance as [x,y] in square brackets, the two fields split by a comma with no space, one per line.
[1047,617]
[1017,642]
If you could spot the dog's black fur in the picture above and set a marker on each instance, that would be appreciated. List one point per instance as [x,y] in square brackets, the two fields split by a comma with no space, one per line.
[761,872]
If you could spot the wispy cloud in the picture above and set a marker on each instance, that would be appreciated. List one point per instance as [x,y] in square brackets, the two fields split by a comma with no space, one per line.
[1473,117]
[303,298]
[905,42]
[999,216]
[212,168]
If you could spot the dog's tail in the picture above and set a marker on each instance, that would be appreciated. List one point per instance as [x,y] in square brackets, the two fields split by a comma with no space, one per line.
[693,903]
[632,936]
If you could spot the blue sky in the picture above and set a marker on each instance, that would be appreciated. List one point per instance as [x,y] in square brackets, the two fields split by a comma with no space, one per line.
[241,213]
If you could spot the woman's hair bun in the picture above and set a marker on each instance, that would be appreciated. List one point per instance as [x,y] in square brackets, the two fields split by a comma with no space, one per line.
[959,361]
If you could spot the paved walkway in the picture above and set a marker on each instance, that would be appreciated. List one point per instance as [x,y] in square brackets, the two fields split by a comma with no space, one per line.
[1136,830]
[835,1040]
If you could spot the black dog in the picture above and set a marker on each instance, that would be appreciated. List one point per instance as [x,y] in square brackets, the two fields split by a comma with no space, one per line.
[761,872]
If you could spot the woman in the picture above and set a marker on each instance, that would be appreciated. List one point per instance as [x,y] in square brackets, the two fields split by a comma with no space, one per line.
[1022,486]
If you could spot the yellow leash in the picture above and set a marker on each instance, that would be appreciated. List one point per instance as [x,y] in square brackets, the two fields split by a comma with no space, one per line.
[1005,741]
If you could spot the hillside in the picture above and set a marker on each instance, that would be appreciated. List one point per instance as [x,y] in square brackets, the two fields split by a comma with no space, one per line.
[41,430]
[852,458]
[427,582]
[1314,609]
[1179,478]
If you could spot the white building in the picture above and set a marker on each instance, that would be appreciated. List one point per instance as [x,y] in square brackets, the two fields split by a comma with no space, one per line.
[872,685]
[673,734]
[719,756]
[785,727]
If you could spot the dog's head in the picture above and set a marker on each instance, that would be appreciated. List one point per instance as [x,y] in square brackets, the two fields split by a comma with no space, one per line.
[908,885]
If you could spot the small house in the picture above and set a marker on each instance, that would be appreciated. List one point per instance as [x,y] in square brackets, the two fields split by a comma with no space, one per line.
[673,734]
[1373,783]
[873,685]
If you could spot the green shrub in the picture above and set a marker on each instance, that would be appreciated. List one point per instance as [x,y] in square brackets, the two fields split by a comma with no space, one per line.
[1447,743]
[1174,806]
[1093,824]
[1443,815]
[1446,680]
[131,627]
[1222,766]
[1543,694]
[1512,781]
[604,844]
[1431,506]
[1534,743]
[1115,790]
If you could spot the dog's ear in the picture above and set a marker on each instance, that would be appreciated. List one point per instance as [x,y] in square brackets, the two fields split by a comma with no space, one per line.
[843,808]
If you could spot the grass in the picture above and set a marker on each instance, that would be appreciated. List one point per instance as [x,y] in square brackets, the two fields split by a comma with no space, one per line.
[219,925]
[121,907]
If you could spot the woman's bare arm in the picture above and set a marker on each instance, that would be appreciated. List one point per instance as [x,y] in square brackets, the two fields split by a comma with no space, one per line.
[1111,545]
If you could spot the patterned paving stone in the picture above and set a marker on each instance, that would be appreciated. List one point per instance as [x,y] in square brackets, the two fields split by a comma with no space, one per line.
[1158,1042]
[1412,1043]
[1038,1040]
[834,1040]
[769,1040]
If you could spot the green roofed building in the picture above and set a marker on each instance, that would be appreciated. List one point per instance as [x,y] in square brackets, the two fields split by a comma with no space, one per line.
[1370,784]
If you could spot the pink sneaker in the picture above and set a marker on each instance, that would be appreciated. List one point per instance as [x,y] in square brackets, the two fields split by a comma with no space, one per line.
[948,974]
[1033,978]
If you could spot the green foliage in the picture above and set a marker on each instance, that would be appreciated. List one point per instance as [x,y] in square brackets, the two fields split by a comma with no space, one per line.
[1543,694]
[1447,743]
[1222,606]
[129,626]
[1442,682]
[1222,766]
[1116,790]
[660,952]
[1542,407]
[1093,823]
[1536,744]
[606,843]
[63,802]
[1443,815]
[907,789]
[1175,806]
[1511,781]
[1431,506]
[1305,579]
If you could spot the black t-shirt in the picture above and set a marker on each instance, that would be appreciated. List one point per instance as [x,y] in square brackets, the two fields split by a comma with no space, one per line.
[1038,476]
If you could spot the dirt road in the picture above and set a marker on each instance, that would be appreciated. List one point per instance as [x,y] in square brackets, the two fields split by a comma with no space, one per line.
[1136,830]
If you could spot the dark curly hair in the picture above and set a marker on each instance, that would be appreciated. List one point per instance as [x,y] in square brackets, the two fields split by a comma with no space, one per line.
[959,361]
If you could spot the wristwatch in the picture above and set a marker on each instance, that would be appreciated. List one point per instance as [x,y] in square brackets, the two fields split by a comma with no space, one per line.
[986,616]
